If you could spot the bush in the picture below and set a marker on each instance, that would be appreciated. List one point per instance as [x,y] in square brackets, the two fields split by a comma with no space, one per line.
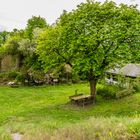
[21,78]
[114,91]
[5,77]
[31,78]
[124,92]
[108,91]
[12,74]
[136,85]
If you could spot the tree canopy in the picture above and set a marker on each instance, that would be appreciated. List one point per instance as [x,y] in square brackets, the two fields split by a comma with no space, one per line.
[33,23]
[91,39]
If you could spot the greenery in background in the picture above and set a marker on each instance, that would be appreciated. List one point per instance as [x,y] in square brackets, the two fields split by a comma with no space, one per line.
[21,44]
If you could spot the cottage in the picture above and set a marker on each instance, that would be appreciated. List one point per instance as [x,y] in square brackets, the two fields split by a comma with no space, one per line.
[129,71]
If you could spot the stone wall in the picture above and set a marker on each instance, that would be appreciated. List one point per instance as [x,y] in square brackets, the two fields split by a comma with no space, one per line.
[8,63]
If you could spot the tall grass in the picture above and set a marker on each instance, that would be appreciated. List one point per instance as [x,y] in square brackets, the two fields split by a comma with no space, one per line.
[101,128]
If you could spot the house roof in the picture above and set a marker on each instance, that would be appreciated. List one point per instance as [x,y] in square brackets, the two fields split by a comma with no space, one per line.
[131,70]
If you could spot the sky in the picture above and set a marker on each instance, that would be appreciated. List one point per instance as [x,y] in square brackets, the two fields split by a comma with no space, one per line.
[15,13]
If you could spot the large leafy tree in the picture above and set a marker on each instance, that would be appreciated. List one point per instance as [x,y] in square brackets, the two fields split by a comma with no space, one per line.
[92,38]
[28,47]
[35,26]
[33,23]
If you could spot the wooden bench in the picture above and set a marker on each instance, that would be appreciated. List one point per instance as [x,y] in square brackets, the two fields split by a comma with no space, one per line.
[82,99]
[75,95]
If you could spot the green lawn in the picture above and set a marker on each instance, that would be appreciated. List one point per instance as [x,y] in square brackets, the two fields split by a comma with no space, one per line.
[29,110]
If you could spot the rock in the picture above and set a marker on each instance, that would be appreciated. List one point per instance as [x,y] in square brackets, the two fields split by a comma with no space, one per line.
[16,136]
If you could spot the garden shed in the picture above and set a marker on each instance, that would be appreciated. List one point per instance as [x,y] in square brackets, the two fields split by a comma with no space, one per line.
[131,71]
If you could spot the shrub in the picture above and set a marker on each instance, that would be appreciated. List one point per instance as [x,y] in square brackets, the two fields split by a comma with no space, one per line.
[108,91]
[3,75]
[31,77]
[136,84]
[12,74]
[124,92]
[21,78]
[114,91]
[136,87]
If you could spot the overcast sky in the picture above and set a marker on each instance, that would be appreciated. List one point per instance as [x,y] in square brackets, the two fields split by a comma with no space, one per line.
[15,13]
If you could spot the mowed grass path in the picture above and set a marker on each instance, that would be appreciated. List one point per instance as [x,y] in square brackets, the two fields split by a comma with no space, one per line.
[28,109]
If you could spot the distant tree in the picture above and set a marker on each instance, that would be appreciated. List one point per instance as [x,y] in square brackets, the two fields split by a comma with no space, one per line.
[3,37]
[92,38]
[20,45]
[16,32]
[34,22]
[12,48]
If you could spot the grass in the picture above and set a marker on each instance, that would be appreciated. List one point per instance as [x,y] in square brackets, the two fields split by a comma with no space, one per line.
[45,111]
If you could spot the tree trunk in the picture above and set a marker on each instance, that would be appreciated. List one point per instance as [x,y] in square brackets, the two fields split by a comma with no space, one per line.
[93,84]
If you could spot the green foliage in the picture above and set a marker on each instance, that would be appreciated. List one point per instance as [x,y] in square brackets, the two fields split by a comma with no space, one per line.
[26,47]
[2,52]
[12,74]
[31,77]
[47,47]
[21,78]
[36,76]
[3,75]
[92,39]
[12,45]
[136,84]
[34,22]
[6,77]
[135,129]
[108,91]
[124,92]
[136,87]
[3,37]
[23,49]
[114,91]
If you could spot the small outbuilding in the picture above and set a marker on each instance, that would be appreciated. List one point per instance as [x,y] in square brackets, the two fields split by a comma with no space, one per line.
[129,71]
